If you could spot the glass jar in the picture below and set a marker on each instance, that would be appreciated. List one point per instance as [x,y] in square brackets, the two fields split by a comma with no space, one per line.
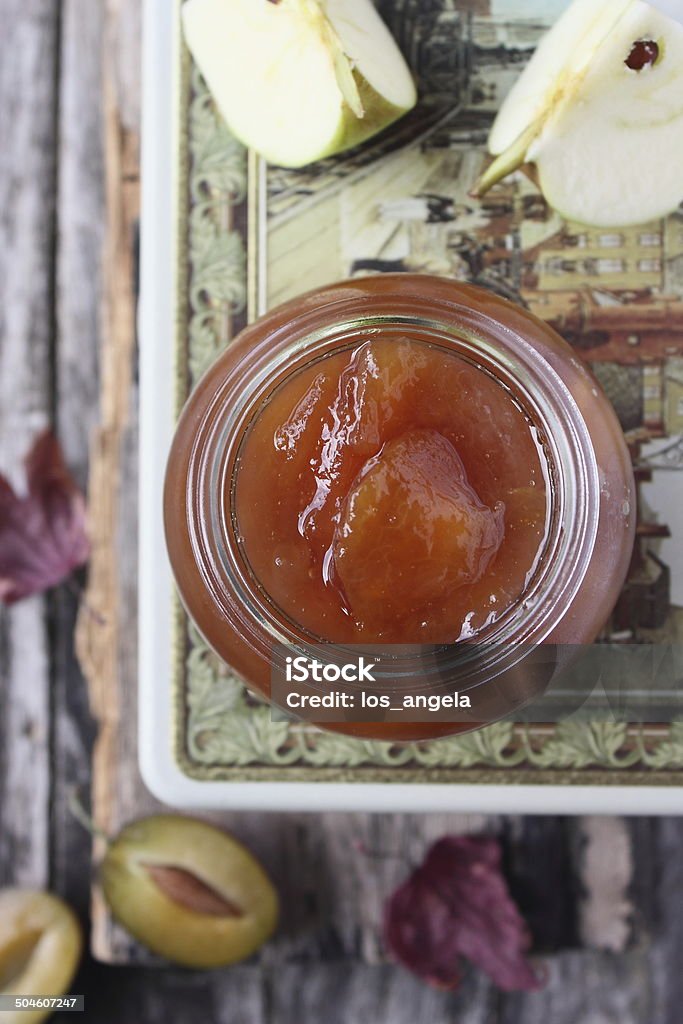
[591,519]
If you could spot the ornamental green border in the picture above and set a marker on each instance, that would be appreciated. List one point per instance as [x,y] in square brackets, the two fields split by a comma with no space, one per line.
[221,732]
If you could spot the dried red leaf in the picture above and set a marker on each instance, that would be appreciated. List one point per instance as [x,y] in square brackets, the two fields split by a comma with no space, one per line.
[457,904]
[42,535]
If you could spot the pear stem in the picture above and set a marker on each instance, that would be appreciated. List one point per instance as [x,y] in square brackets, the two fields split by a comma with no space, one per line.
[508,161]
[84,819]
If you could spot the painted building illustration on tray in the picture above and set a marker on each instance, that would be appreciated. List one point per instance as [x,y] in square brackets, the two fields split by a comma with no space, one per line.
[402,204]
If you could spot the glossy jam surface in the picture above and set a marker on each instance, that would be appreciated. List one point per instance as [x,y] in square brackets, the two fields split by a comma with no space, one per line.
[392,493]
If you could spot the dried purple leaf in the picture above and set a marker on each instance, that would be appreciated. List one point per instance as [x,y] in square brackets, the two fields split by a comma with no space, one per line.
[457,904]
[43,534]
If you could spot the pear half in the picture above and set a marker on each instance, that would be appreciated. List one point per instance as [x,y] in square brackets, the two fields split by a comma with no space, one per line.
[298,80]
[599,111]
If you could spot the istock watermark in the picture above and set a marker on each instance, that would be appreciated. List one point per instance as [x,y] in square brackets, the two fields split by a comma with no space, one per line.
[393,683]
[303,670]
[467,684]
[335,686]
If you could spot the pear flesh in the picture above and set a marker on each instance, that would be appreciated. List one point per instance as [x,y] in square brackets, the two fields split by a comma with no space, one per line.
[606,139]
[299,80]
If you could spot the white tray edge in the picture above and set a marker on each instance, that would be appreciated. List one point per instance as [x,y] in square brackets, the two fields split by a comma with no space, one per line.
[159,769]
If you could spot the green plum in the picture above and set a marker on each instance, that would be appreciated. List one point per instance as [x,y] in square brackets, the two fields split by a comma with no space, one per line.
[40,947]
[188,891]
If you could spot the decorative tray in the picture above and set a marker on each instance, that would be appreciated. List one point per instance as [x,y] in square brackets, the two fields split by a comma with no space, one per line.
[225,237]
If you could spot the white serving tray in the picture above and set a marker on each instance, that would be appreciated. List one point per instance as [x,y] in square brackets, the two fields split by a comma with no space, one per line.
[159,768]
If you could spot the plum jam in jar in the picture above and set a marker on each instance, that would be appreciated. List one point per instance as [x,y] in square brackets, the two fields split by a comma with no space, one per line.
[400,460]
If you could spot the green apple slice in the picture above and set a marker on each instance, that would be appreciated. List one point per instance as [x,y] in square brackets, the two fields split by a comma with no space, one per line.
[40,946]
[606,136]
[298,80]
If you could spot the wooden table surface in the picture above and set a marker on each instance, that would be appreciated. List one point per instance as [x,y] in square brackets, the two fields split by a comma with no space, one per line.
[604,896]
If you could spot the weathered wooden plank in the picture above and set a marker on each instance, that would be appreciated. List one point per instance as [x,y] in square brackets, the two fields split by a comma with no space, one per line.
[572,877]
[665,898]
[28,48]
[80,241]
[153,996]
[354,994]
[587,988]
[80,214]
[106,639]
[605,908]
[543,878]
[645,851]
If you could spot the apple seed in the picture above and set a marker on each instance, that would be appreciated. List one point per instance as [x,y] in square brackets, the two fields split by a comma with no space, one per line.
[644,54]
